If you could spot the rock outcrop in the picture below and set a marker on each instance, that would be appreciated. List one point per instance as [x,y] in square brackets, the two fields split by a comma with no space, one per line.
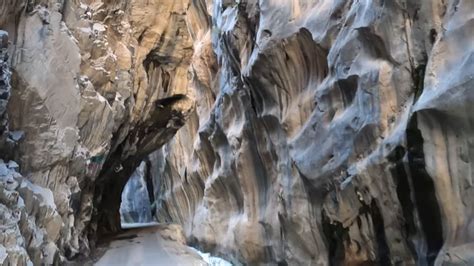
[96,87]
[29,223]
[328,132]
[310,132]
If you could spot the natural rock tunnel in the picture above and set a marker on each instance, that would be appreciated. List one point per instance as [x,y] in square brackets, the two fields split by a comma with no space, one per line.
[273,132]
[119,167]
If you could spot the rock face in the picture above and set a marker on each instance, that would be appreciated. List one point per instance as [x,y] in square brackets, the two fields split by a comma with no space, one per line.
[328,132]
[312,132]
[5,76]
[96,87]
[29,223]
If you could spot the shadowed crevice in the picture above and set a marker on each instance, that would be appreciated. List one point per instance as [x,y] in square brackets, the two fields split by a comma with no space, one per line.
[425,193]
[335,236]
[404,193]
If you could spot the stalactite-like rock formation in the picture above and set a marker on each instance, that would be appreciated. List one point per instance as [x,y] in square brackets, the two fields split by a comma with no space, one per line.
[282,132]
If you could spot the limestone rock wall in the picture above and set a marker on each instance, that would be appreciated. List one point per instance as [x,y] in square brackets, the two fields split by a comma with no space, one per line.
[96,86]
[5,90]
[29,222]
[310,131]
[327,132]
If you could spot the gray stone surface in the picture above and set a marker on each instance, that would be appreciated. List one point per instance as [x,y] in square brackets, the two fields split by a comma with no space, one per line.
[97,86]
[329,132]
[310,132]
[29,222]
[136,206]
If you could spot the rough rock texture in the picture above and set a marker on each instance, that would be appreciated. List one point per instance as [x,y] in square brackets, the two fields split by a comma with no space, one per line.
[313,131]
[328,132]
[96,87]
[5,76]
[29,222]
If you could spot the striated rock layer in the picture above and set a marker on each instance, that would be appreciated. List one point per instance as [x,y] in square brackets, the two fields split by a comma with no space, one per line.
[96,87]
[29,222]
[328,132]
[312,132]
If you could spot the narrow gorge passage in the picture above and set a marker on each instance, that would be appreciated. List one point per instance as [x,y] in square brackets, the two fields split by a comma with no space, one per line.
[146,246]
[142,240]
[264,132]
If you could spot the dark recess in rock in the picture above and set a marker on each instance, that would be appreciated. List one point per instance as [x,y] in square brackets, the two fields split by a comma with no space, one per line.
[335,235]
[404,193]
[425,194]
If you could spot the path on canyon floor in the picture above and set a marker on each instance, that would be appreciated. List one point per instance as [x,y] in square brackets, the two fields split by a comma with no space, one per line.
[152,245]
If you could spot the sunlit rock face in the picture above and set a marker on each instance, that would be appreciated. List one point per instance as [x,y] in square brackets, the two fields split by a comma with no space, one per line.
[96,87]
[29,222]
[327,132]
[310,132]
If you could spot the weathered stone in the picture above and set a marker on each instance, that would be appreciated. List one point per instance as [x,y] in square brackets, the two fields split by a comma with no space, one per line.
[29,222]
[87,79]
[329,133]
[310,132]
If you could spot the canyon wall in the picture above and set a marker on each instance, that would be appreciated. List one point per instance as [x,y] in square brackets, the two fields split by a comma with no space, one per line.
[295,132]
[328,132]
[95,87]
[29,222]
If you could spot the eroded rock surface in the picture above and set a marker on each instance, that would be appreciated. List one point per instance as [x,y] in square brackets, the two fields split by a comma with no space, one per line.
[310,132]
[96,87]
[330,132]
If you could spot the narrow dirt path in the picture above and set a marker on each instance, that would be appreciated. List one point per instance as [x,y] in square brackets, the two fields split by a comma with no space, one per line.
[154,245]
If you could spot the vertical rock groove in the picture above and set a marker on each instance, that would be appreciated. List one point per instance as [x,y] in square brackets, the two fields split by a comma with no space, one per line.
[425,194]
[405,194]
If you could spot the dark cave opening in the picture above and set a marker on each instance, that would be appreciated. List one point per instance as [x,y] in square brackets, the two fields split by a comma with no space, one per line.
[119,166]
[106,218]
[417,195]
